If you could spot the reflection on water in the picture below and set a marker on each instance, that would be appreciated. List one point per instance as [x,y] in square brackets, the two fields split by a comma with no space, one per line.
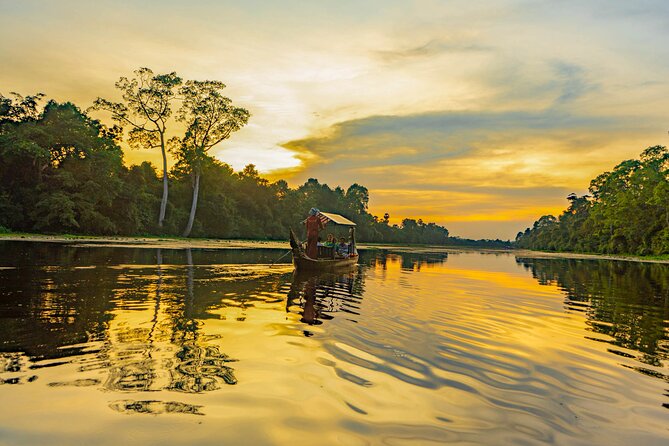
[141,324]
[155,407]
[408,260]
[318,296]
[468,348]
[626,301]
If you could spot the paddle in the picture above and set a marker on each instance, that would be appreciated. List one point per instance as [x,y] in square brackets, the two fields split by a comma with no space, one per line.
[289,251]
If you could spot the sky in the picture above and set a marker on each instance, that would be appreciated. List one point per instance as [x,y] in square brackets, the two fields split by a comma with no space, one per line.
[477,115]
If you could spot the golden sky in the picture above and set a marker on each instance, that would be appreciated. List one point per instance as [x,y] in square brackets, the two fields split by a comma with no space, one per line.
[478,115]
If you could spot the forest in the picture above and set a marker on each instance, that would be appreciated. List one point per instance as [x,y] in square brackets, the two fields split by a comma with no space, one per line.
[626,212]
[63,171]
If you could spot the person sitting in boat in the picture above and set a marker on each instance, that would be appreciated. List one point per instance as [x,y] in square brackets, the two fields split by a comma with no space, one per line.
[342,248]
[330,242]
[314,226]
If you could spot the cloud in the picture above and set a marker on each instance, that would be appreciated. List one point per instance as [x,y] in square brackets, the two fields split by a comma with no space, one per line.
[457,167]
[428,137]
[572,83]
[431,48]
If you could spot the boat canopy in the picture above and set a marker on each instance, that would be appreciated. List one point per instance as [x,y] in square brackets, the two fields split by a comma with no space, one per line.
[335,218]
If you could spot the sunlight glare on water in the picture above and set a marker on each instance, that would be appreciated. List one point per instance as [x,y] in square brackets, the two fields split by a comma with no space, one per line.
[128,346]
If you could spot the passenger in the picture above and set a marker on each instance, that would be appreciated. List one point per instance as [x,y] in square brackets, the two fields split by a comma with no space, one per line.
[342,248]
[330,242]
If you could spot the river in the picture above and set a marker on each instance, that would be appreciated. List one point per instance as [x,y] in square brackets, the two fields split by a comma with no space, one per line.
[113,345]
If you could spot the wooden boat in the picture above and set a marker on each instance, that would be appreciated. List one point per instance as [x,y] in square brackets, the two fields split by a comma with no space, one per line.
[327,259]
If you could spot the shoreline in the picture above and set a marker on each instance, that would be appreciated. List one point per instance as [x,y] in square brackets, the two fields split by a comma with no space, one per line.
[526,253]
[145,242]
[182,243]
[168,242]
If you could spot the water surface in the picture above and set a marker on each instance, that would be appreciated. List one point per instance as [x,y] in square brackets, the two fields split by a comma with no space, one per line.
[129,346]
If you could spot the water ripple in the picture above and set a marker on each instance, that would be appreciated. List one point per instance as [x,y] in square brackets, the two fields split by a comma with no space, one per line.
[464,348]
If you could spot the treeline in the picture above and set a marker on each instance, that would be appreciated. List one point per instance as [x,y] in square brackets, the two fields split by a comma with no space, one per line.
[481,243]
[62,171]
[626,212]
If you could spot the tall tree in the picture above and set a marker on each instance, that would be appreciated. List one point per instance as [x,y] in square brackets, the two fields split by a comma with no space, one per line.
[210,118]
[146,109]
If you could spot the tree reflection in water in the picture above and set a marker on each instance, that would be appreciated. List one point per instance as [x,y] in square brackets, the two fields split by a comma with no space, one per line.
[141,362]
[626,301]
[155,407]
[318,295]
[199,367]
[410,261]
[110,310]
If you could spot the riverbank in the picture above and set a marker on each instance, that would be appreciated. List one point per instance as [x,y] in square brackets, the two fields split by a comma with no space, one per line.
[145,242]
[525,253]
[199,243]
[194,243]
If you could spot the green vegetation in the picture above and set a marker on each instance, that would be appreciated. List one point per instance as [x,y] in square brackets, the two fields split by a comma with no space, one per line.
[210,118]
[62,172]
[627,212]
[457,242]
[146,109]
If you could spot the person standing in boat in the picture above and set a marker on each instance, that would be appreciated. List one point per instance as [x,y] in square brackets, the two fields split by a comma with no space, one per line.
[314,226]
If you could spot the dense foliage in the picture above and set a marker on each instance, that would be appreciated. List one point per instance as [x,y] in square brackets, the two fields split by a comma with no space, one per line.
[63,171]
[627,212]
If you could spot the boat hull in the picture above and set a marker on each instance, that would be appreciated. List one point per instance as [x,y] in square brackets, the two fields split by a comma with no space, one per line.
[306,264]
[303,262]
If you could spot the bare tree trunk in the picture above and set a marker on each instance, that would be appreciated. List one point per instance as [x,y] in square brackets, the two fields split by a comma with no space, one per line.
[193,205]
[163,202]
[190,279]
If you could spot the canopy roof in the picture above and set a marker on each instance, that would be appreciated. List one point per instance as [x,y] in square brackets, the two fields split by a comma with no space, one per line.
[335,218]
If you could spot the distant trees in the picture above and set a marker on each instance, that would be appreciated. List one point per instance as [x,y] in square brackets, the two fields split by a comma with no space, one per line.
[18,108]
[358,198]
[63,171]
[626,212]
